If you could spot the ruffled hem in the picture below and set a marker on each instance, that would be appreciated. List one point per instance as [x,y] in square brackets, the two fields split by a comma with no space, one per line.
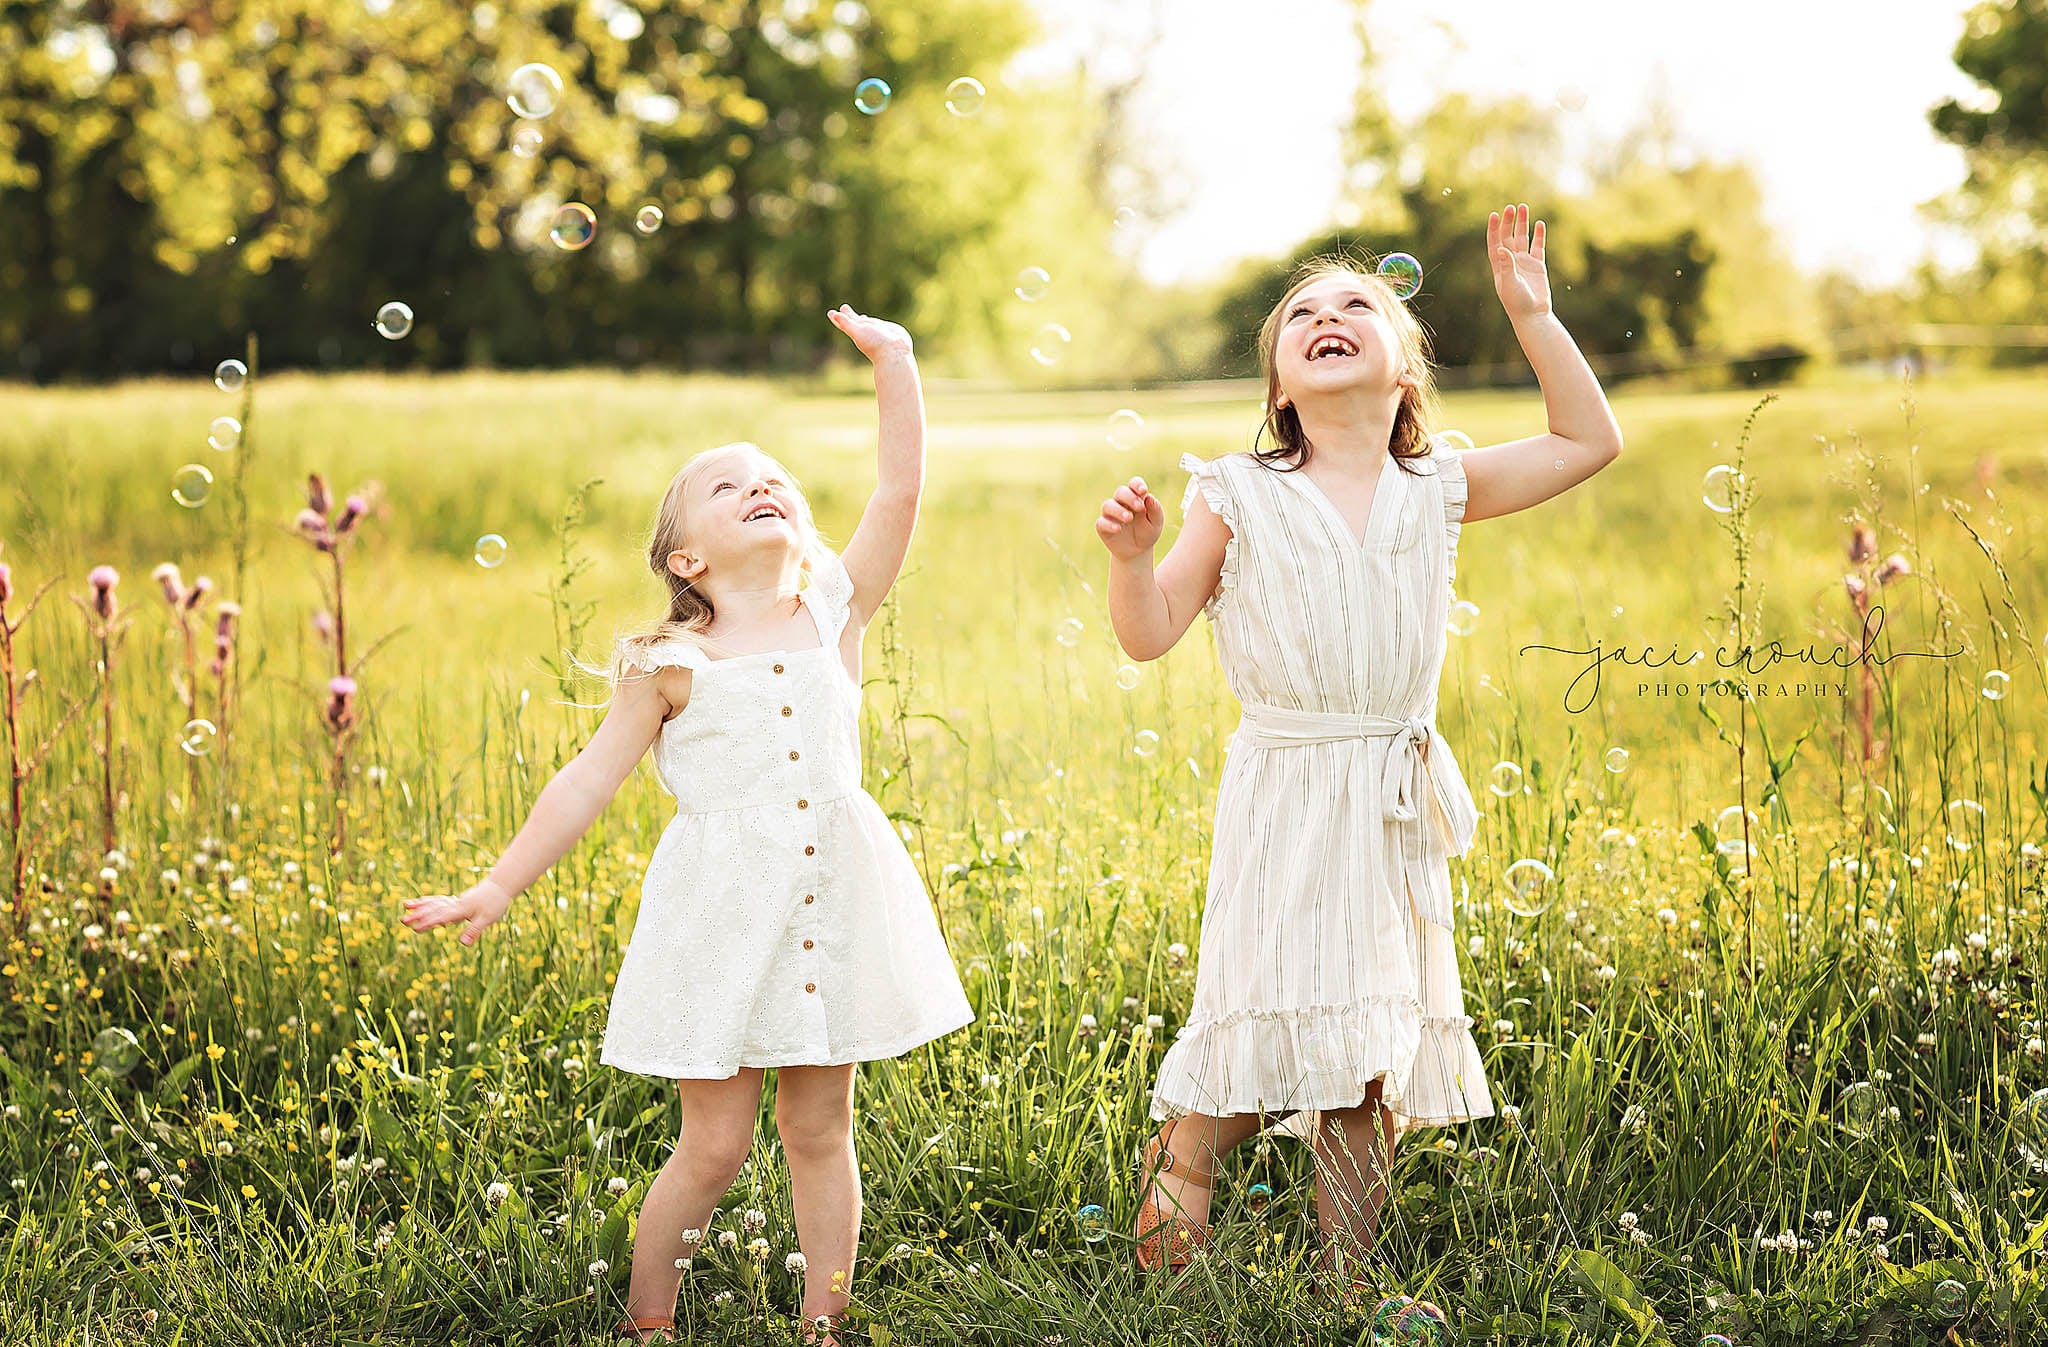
[1205,477]
[1451,478]
[1309,1058]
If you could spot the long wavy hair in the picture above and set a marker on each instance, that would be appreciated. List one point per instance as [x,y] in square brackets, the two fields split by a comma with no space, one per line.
[1419,409]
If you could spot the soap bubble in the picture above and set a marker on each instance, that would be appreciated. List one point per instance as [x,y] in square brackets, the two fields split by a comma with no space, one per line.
[2030,1130]
[528,139]
[1032,284]
[1965,823]
[1951,1298]
[1463,619]
[1068,633]
[1050,344]
[1717,1340]
[649,219]
[1403,273]
[394,320]
[191,485]
[1127,676]
[871,96]
[1452,439]
[1616,760]
[1728,826]
[1531,887]
[196,739]
[1505,779]
[1862,1109]
[115,1051]
[533,90]
[575,226]
[1719,488]
[490,551]
[1093,1223]
[1995,684]
[1126,430]
[224,434]
[1125,217]
[1146,743]
[1258,1197]
[229,376]
[964,95]
[1422,1325]
[1386,1314]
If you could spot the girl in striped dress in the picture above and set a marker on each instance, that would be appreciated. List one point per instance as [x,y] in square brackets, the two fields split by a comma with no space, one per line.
[1327,995]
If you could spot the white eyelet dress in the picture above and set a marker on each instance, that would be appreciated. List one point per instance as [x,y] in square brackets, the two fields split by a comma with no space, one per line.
[1326,958]
[781,922]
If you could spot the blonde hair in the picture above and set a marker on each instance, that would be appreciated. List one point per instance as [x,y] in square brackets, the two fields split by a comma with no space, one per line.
[690,610]
[1410,437]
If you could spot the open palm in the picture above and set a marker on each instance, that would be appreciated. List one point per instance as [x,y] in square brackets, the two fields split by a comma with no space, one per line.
[1519,276]
[876,337]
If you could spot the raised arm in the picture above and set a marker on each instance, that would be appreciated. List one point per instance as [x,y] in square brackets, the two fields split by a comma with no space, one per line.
[1149,609]
[567,806]
[1583,436]
[874,555]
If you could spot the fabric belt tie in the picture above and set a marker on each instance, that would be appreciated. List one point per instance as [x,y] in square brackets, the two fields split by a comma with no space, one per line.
[1421,776]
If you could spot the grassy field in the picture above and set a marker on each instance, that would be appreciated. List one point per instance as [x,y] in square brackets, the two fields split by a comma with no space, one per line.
[1786,1094]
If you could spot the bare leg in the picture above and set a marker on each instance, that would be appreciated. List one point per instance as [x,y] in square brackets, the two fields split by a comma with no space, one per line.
[814,1114]
[1202,1139]
[1354,1151]
[717,1132]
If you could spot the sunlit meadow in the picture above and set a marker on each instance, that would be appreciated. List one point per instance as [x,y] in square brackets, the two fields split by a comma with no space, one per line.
[1764,1039]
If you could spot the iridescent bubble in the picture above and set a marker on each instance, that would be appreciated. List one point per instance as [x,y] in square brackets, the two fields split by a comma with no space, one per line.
[115,1051]
[1718,489]
[224,434]
[1951,1298]
[1862,1109]
[1965,823]
[1421,1325]
[649,219]
[230,375]
[871,95]
[1505,779]
[490,551]
[575,226]
[394,320]
[1616,760]
[1126,430]
[1995,685]
[1125,217]
[1403,273]
[533,90]
[1716,1340]
[191,485]
[1531,887]
[964,95]
[2030,1130]
[1050,344]
[196,739]
[1068,633]
[1463,619]
[1127,676]
[528,139]
[1258,1197]
[1453,439]
[1386,1314]
[1032,284]
[1093,1223]
[1728,824]
[1145,743]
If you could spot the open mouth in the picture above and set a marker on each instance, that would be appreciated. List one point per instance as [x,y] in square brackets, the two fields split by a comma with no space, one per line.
[765,511]
[1331,346]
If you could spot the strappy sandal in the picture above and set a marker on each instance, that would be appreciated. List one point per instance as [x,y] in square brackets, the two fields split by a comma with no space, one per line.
[1156,1224]
[632,1330]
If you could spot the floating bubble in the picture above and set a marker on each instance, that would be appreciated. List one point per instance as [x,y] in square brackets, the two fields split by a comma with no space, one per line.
[871,96]
[1616,760]
[1951,1298]
[528,139]
[1386,1314]
[1032,284]
[1127,676]
[1505,779]
[575,226]
[191,485]
[1995,684]
[533,90]
[1402,272]
[1093,1223]
[115,1051]
[394,320]
[964,95]
[1965,823]
[1068,633]
[1717,1340]
[649,219]
[1463,619]
[1729,824]
[1145,743]
[1453,439]
[1862,1109]
[490,551]
[1531,887]
[1050,344]
[1421,1325]
[2030,1130]
[1126,430]
[224,434]
[197,738]
[1258,1197]
[1125,218]
[230,375]
[1718,489]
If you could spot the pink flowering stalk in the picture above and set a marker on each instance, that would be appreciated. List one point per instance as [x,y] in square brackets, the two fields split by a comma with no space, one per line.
[184,602]
[103,616]
[330,531]
[22,761]
[1862,585]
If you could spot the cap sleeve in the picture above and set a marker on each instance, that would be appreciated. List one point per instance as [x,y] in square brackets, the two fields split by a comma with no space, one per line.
[1450,476]
[831,590]
[1207,478]
[671,652]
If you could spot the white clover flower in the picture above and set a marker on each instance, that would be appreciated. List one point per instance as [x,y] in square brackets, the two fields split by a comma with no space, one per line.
[1883,1251]
[1627,1221]
[1976,940]
[497,1193]
[722,1298]
[1088,1024]
[616,1185]
[728,1239]
[599,1268]
[1877,1225]
[899,1251]
[755,1220]
[1504,1028]
[1639,1236]
[683,1263]
[93,931]
[1155,1021]
[1605,972]
[693,1237]
[572,1067]
[1668,916]
[794,1263]
[1476,946]
[1177,952]
[757,1248]
[1634,1118]
[1509,1112]
[169,880]
[1011,837]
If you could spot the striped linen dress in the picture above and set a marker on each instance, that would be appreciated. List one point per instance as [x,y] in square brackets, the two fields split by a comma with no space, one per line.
[1326,957]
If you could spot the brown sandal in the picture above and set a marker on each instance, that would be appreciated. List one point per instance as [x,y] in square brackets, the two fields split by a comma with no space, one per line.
[1155,1223]
[633,1328]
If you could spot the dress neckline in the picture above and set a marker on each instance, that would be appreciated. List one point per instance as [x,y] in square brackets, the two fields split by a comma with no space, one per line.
[1372,511]
[803,597]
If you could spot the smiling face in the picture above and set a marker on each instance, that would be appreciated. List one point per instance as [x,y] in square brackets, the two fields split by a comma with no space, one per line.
[1338,333]
[739,509]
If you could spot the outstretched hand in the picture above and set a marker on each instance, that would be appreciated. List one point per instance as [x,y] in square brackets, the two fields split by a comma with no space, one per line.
[1131,521]
[1519,276]
[478,906]
[876,337]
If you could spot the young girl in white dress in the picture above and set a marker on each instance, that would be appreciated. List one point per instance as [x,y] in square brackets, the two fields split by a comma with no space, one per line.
[1326,988]
[781,924]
